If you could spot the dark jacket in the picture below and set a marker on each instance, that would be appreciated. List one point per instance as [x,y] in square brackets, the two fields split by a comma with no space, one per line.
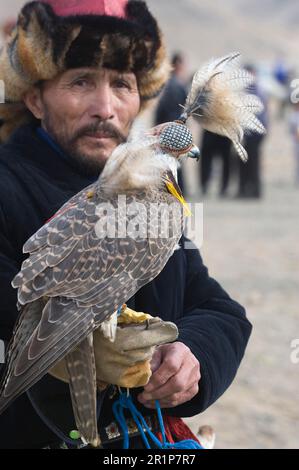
[35,181]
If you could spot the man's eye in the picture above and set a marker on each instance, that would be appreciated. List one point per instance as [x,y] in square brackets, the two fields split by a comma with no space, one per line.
[120,83]
[81,82]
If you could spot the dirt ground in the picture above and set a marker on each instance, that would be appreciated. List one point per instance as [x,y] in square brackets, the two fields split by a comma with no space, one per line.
[251,248]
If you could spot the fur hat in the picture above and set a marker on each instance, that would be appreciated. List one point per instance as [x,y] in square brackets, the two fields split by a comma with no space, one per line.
[55,35]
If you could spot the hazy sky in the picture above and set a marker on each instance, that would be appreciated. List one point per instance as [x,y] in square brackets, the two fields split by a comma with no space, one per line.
[9,8]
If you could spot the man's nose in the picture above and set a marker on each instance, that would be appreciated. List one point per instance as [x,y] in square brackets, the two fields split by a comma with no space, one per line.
[101,105]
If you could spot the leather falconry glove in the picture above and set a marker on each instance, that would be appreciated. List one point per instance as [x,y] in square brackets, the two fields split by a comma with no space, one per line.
[125,359]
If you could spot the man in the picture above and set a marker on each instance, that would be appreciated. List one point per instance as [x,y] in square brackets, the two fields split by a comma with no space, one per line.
[79,73]
[250,175]
[174,95]
[215,146]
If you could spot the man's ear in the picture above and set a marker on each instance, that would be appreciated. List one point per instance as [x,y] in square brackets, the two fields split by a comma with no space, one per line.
[33,100]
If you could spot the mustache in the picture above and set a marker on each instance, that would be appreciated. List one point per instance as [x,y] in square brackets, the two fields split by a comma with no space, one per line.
[107,127]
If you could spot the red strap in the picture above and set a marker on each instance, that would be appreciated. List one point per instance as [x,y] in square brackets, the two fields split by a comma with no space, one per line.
[89,7]
[176,430]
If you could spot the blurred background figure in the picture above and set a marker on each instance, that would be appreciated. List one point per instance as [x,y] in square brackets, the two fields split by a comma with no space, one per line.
[250,180]
[174,95]
[282,75]
[294,128]
[212,146]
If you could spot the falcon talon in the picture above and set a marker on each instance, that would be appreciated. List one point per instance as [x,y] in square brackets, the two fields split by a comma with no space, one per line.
[90,194]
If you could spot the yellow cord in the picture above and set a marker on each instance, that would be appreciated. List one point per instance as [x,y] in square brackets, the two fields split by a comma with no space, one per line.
[179,197]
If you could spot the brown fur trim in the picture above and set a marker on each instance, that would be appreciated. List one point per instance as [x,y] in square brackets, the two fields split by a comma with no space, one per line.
[151,84]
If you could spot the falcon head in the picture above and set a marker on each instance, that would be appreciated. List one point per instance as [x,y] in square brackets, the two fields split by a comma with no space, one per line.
[175,139]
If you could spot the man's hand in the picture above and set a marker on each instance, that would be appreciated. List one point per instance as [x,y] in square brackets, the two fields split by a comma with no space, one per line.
[176,373]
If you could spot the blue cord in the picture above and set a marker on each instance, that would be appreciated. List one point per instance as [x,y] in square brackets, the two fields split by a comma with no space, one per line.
[125,402]
[187,444]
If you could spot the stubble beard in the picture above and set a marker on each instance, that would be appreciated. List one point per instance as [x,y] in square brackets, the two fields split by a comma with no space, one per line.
[88,164]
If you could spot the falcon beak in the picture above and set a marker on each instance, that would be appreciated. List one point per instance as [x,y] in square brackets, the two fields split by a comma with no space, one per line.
[193,152]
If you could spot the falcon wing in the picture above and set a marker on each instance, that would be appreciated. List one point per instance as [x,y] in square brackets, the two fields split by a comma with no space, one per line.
[33,353]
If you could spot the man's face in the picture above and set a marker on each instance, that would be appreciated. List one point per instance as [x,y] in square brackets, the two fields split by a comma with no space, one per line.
[89,112]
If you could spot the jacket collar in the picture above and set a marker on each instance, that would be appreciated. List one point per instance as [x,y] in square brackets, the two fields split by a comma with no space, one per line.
[36,146]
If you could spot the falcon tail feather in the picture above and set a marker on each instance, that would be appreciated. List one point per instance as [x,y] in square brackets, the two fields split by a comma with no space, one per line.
[81,369]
